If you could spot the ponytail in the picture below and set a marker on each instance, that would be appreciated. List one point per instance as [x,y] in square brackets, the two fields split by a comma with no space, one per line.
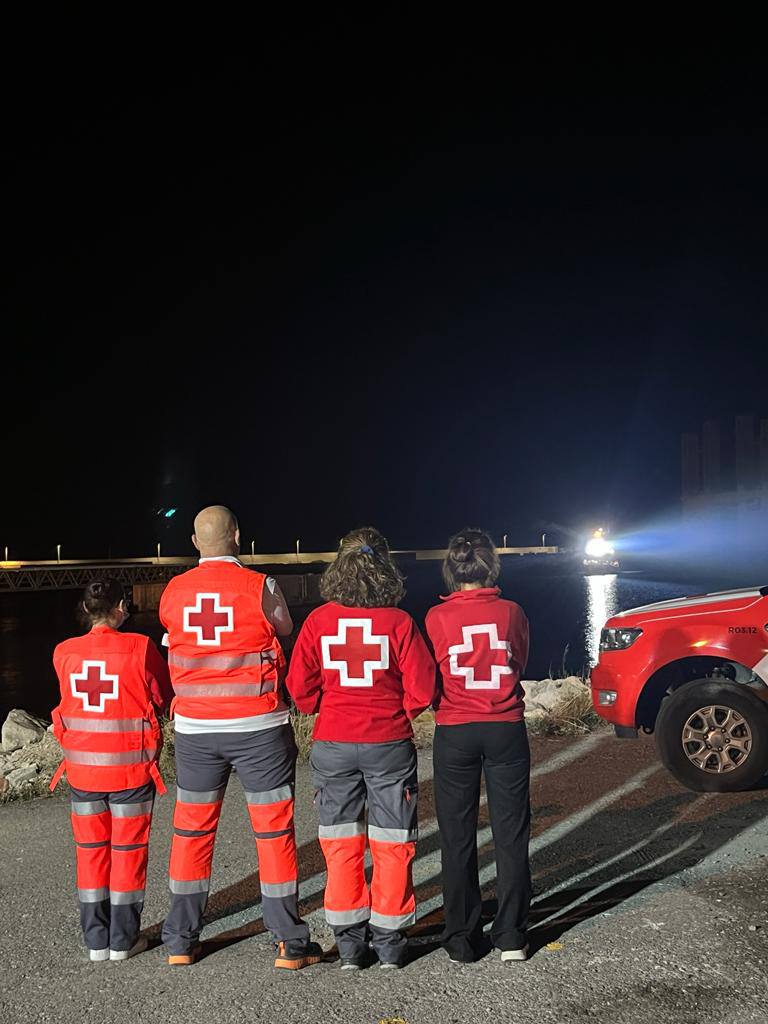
[471,558]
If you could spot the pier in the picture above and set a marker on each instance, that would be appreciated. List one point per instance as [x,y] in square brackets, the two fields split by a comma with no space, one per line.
[146,578]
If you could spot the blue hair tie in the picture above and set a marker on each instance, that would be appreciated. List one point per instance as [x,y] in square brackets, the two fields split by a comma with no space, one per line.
[366,549]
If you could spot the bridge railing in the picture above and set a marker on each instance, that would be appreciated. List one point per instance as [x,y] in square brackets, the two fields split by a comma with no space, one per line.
[72,574]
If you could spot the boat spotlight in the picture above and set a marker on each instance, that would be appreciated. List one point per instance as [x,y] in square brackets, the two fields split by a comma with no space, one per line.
[598,546]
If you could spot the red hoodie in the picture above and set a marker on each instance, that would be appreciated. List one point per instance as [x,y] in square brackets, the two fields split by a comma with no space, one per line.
[366,670]
[481,647]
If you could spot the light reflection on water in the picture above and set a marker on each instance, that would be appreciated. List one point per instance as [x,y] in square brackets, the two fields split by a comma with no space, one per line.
[602,603]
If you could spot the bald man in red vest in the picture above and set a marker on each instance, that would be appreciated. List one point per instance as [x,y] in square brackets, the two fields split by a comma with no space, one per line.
[223,623]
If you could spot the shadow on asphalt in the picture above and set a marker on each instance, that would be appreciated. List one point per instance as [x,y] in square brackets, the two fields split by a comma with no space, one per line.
[590,870]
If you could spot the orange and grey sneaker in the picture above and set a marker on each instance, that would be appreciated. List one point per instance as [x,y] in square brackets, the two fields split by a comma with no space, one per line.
[295,955]
[185,959]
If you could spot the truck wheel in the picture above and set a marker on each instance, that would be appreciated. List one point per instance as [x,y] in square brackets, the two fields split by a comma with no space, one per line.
[713,736]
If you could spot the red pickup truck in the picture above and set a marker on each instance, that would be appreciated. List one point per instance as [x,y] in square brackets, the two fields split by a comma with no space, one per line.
[695,672]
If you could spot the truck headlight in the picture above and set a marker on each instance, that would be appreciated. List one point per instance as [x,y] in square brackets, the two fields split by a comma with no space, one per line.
[618,639]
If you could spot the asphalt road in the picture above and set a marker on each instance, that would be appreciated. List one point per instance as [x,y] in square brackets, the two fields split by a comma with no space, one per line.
[651,906]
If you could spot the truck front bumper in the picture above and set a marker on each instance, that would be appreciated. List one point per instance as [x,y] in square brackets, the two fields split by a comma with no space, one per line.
[613,693]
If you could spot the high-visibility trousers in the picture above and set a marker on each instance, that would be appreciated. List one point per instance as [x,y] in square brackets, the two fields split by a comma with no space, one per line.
[111,833]
[265,763]
[347,777]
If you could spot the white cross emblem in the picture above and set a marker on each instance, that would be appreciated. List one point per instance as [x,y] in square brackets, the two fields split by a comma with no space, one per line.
[208,619]
[468,647]
[98,685]
[355,651]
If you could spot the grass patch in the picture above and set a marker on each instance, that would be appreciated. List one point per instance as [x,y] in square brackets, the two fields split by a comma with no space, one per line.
[424,730]
[572,716]
[167,760]
[302,730]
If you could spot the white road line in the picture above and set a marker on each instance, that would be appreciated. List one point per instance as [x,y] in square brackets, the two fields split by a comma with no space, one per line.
[630,850]
[586,897]
[548,836]
[572,753]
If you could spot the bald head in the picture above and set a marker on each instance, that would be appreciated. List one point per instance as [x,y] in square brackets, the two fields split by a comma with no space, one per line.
[216,532]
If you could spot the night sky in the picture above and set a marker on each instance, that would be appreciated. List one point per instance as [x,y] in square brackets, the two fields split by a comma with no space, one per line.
[457,287]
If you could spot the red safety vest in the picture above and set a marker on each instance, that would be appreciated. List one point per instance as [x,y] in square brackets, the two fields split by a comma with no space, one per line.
[223,653]
[106,722]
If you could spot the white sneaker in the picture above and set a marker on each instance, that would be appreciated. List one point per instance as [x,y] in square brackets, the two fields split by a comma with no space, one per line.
[98,954]
[514,954]
[125,954]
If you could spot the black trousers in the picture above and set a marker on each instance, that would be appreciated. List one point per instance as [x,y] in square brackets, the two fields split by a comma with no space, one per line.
[461,753]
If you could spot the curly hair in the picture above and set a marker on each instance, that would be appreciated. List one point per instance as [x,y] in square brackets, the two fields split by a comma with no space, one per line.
[471,558]
[363,574]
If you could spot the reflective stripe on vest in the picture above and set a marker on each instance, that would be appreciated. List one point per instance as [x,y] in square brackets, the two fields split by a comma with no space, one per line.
[224,689]
[105,725]
[102,758]
[221,662]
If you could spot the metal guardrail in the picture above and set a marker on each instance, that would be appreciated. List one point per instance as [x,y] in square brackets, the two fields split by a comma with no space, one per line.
[77,575]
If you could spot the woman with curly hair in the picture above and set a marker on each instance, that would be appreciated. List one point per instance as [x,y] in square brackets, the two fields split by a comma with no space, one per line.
[362,664]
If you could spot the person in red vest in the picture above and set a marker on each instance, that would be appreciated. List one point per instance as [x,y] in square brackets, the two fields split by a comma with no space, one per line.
[223,622]
[112,686]
[362,663]
[480,642]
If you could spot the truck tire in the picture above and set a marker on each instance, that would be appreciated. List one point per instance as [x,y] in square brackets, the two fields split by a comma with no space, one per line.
[712,735]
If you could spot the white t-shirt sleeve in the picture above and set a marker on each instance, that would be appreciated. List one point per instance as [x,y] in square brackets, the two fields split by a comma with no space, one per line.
[275,607]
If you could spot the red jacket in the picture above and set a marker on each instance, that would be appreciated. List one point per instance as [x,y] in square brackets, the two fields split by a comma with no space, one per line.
[367,671]
[111,683]
[224,656]
[481,646]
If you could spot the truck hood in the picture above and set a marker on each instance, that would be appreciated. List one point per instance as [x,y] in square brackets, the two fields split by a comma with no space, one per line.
[727,600]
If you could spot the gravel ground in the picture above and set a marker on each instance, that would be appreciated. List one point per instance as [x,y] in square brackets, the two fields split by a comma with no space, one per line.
[651,905]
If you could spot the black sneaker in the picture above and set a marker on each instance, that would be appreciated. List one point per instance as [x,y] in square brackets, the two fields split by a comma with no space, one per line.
[294,955]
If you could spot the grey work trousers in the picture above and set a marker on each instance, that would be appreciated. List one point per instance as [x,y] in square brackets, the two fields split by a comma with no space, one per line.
[265,763]
[382,776]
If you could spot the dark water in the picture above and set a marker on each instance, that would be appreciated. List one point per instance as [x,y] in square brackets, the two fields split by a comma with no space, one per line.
[566,613]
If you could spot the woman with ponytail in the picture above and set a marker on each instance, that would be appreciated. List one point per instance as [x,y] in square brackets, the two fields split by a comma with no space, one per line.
[480,642]
[113,684]
[363,665]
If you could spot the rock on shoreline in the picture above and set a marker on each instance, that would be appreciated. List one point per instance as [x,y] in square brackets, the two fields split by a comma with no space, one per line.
[29,755]
[542,696]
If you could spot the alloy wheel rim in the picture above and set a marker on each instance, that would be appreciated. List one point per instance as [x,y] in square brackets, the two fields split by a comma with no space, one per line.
[716,739]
